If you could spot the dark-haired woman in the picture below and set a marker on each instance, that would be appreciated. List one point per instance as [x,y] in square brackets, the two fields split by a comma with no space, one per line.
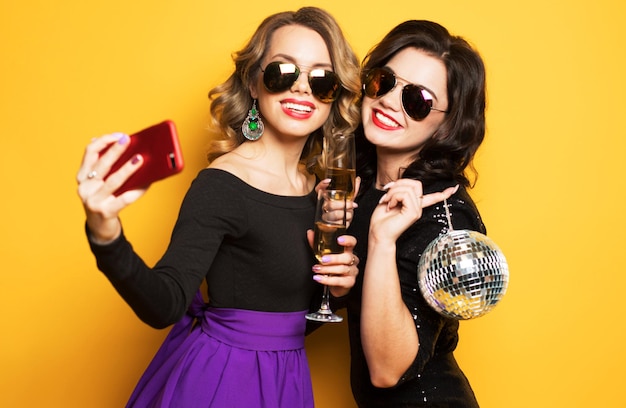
[423,118]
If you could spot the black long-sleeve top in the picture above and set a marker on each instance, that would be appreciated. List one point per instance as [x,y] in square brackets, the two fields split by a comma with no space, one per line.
[248,244]
[434,379]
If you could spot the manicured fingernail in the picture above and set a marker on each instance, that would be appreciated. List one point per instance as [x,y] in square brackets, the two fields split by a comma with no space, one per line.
[325,259]
[341,240]
[136,159]
[316,268]
[317,278]
[123,139]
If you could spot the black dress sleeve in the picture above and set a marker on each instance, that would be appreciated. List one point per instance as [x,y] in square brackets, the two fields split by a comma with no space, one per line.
[437,334]
[161,295]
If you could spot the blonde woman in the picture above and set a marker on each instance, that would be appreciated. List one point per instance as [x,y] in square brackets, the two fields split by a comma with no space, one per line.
[242,227]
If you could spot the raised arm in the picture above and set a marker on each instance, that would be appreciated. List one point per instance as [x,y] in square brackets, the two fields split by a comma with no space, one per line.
[390,341]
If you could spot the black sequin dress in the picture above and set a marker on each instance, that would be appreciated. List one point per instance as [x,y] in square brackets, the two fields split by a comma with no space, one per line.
[434,379]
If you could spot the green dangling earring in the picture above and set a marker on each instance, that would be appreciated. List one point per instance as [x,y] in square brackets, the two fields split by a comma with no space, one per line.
[252,128]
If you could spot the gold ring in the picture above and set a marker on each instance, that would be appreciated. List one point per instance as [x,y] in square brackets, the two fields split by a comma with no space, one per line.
[353,260]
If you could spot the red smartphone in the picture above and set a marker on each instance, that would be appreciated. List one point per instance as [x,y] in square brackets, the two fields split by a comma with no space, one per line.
[160,148]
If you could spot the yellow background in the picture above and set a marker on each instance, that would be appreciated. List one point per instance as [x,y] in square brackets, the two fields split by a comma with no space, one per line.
[551,187]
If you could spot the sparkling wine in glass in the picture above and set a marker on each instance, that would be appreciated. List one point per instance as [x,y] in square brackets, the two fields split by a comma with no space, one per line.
[339,157]
[330,223]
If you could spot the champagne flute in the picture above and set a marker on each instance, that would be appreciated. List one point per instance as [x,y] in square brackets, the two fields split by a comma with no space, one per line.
[330,223]
[339,158]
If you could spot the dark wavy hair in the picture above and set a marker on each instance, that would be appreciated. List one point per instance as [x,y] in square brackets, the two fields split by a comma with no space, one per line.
[450,151]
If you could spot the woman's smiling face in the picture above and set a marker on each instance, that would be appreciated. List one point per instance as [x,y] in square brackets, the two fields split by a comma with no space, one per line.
[295,111]
[385,123]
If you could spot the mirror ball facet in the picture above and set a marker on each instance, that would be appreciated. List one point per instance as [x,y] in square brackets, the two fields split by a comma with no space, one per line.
[463,274]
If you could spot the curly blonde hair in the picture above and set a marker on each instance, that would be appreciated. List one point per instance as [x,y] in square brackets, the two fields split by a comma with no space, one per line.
[231,100]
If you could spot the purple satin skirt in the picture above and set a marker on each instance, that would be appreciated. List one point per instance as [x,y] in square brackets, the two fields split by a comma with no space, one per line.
[229,358]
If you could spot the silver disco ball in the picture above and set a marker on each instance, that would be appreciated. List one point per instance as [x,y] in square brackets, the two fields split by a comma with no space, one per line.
[463,274]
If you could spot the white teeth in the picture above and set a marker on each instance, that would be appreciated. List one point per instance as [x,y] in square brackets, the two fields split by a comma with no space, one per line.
[296,107]
[385,120]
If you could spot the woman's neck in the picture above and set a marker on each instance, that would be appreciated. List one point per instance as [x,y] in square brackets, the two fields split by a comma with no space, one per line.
[391,164]
[388,170]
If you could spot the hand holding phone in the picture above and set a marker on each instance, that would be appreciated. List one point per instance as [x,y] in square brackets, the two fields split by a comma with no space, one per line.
[159,147]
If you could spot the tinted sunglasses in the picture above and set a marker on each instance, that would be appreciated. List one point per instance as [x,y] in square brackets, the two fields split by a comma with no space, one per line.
[417,102]
[280,76]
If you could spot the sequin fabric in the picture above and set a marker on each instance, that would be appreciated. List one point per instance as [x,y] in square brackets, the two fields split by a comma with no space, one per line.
[434,378]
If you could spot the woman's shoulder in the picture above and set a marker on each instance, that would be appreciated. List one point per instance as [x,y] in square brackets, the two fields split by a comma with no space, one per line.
[233,164]
[462,209]
[262,174]
[212,184]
